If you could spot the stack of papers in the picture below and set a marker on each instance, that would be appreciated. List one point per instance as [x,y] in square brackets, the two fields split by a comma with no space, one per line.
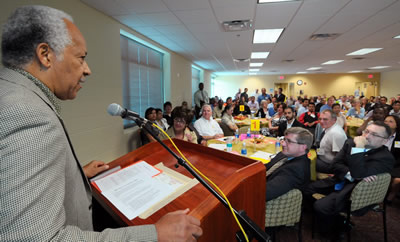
[262,156]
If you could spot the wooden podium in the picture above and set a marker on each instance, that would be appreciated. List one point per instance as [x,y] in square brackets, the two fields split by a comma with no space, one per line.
[240,178]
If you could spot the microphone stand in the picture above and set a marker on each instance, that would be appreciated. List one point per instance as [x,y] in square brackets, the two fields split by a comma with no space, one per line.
[251,228]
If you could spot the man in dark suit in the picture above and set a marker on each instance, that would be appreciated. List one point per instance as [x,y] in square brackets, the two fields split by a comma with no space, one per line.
[360,158]
[290,121]
[280,97]
[290,168]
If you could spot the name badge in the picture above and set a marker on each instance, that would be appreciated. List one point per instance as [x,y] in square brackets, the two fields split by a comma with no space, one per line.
[397,144]
[312,115]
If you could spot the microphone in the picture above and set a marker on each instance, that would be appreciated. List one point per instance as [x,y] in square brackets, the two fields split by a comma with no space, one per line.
[116,110]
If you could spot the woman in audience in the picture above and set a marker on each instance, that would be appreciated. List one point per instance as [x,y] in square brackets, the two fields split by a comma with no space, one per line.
[246,109]
[150,115]
[179,130]
[278,118]
[167,112]
[394,146]
[227,118]
[217,111]
[263,111]
[160,121]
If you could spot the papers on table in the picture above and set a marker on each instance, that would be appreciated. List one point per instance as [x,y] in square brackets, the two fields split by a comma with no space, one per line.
[138,187]
[218,146]
[262,156]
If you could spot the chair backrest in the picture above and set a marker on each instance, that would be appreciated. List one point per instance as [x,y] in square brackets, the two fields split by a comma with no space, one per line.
[244,129]
[369,193]
[284,210]
[225,128]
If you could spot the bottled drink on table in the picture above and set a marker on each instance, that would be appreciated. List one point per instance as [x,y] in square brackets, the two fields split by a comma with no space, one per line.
[229,145]
[248,133]
[244,150]
[277,146]
[236,136]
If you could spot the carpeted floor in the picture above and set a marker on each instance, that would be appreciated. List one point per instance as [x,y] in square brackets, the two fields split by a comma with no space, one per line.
[368,228]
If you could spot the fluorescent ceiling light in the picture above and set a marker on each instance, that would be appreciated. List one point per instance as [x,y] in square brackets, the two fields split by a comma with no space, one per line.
[259,55]
[364,51]
[357,71]
[314,68]
[256,64]
[266,35]
[301,72]
[252,73]
[378,67]
[332,62]
[275,1]
[397,37]
[254,69]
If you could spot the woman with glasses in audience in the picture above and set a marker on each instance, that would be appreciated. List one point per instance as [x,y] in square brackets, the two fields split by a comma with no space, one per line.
[179,128]
[393,145]
[263,111]
[227,118]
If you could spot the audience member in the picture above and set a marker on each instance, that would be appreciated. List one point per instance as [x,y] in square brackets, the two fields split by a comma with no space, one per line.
[237,95]
[278,118]
[320,104]
[365,104]
[45,194]
[310,119]
[263,95]
[217,111]
[331,101]
[340,118]
[393,145]
[290,168]
[256,94]
[344,103]
[245,95]
[228,101]
[332,140]
[280,97]
[378,114]
[167,112]
[263,111]
[253,105]
[395,109]
[160,121]
[356,111]
[227,118]
[145,136]
[207,127]
[242,109]
[179,129]
[303,108]
[200,98]
[360,158]
[291,121]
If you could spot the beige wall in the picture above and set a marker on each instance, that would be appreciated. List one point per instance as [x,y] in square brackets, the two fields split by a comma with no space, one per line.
[94,133]
[390,83]
[313,84]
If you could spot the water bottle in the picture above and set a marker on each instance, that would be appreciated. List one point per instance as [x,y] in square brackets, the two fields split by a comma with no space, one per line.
[244,150]
[229,145]
[236,136]
[277,146]
[248,133]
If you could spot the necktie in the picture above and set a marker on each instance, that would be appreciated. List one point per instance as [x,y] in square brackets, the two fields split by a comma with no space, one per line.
[276,166]
[202,96]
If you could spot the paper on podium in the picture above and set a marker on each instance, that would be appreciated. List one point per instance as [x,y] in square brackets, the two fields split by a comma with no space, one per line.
[139,187]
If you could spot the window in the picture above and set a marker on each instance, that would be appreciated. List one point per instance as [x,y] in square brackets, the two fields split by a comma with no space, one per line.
[196,79]
[142,77]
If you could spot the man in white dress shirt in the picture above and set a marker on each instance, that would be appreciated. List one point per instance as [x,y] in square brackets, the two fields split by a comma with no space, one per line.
[207,127]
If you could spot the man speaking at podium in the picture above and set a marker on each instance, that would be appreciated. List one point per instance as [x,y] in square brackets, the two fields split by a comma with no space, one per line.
[45,194]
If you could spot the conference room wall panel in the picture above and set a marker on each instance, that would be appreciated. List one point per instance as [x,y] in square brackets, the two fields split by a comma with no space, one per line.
[390,83]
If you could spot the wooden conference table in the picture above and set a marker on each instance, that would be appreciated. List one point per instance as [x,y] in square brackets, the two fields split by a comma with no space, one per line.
[268,145]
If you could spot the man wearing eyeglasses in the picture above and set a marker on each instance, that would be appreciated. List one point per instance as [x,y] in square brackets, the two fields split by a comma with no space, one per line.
[360,158]
[290,168]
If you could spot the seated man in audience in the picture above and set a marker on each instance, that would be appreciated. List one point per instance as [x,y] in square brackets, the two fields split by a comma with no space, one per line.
[379,113]
[340,118]
[207,127]
[303,108]
[310,119]
[241,108]
[395,109]
[290,121]
[290,168]
[356,110]
[253,104]
[331,101]
[332,140]
[360,158]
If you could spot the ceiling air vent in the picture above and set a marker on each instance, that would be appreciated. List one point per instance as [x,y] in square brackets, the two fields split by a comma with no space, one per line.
[288,61]
[324,36]
[358,58]
[237,25]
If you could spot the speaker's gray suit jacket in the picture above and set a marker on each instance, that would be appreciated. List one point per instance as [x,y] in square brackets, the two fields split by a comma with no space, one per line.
[44,194]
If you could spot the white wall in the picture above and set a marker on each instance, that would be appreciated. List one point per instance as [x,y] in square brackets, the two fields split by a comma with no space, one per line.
[390,83]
